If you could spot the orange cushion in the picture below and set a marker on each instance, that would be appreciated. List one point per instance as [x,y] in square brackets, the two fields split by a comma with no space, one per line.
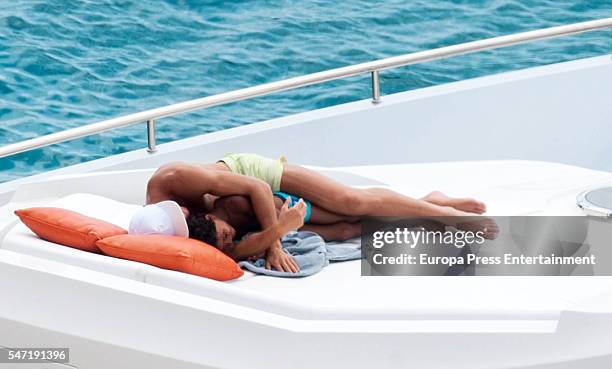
[175,253]
[68,227]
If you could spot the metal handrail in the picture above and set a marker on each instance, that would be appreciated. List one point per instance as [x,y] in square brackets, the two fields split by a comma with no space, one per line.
[373,67]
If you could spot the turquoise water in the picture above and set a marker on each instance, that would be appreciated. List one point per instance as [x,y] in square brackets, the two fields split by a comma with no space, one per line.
[65,64]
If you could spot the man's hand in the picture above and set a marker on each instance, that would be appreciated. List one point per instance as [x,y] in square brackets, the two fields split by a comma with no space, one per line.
[278,259]
[288,220]
[291,218]
[267,239]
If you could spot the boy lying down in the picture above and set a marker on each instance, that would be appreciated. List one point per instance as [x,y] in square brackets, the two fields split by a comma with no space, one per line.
[220,202]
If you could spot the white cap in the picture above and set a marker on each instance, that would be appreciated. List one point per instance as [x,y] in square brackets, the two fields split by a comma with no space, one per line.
[165,217]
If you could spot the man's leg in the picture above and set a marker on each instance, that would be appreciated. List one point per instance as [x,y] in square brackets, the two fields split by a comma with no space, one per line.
[318,215]
[338,198]
[341,231]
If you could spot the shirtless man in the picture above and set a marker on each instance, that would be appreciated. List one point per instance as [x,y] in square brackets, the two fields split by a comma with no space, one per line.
[258,178]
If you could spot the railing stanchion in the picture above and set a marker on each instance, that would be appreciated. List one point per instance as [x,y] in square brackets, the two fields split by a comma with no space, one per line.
[151,136]
[375,87]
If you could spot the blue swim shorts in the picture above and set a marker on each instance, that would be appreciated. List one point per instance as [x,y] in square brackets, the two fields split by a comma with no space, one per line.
[294,199]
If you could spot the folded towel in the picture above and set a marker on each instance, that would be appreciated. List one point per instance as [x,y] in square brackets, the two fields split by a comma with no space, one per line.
[310,252]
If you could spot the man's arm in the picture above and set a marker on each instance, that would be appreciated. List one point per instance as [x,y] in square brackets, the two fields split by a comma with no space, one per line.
[268,240]
[187,183]
[255,244]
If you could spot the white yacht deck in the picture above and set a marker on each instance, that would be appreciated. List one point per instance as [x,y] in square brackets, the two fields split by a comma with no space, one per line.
[339,291]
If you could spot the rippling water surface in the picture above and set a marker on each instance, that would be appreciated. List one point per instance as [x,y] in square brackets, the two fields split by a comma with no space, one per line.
[68,63]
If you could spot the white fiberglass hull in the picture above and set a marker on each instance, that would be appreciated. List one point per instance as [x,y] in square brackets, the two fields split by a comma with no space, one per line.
[159,318]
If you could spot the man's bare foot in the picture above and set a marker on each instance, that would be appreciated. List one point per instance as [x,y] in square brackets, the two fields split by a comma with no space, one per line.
[464,204]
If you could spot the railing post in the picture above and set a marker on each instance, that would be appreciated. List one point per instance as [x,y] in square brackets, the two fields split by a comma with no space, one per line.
[151,136]
[375,87]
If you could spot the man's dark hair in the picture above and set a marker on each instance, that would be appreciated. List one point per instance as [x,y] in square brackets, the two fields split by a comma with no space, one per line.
[201,228]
